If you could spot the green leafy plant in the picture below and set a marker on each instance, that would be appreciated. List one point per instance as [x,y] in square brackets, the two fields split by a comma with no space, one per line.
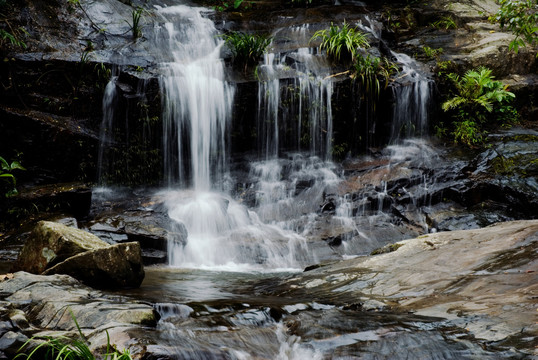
[477,97]
[8,179]
[230,5]
[373,72]
[467,132]
[64,348]
[341,43]
[520,17]
[446,22]
[443,68]
[13,40]
[431,53]
[441,130]
[247,49]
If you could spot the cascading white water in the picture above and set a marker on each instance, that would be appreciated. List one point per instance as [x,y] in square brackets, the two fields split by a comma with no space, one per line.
[412,99]
[196,100]
[308,108]
[197,104]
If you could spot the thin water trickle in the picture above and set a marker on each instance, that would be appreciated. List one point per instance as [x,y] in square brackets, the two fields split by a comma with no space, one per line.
[108,107]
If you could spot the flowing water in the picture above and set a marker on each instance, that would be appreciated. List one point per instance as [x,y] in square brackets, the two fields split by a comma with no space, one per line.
[221,294]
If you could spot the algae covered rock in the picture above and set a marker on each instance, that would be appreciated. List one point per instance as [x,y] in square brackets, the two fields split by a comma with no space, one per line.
[51,243]
[116,266]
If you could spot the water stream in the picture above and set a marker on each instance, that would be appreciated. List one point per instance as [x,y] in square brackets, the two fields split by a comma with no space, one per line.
[220,295]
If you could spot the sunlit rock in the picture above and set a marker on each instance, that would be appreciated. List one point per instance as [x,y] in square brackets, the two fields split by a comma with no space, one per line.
[116,266]
[51,243]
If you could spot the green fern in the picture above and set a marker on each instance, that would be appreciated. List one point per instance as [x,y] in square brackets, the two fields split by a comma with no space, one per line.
[477,98]
[340,43]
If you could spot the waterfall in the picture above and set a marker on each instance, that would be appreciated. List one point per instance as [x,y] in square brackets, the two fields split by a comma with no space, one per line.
[196,100]
[412,101]
[109,105]
[294,101]
[197,104]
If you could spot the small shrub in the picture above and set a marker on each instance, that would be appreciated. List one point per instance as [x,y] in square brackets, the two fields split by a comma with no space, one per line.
[478,97]
[521,18]
[9,182]
[431,53]
[135,27]
[467,132]
[13,39]
[247,49]
[341,43]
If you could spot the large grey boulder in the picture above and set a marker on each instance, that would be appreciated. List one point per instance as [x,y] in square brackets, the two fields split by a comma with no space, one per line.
[116,266]
[51,243]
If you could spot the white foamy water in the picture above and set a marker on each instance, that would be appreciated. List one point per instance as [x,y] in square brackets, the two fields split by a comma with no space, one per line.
[197,100]
[224,235]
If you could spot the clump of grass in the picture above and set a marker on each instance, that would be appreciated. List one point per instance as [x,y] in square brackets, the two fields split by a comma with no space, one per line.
[341,43]
[135,27]
[373,72]
[64,348]
[446,22]
[247,49]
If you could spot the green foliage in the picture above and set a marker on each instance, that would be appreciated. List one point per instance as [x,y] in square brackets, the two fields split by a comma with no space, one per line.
[64,348]
[520,17]
[247,49]
[467,132]
[13,40]
[443,68]
[230,5]
[477,97]
[343,42]
[502,165]
[431,53]
[392,22]
[373,72]
[441,130]
[9,182]
[339,150]
[135,27]
[103,75]
[446,22]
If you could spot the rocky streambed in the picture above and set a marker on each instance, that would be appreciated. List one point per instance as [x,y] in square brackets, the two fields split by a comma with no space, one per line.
[462,294]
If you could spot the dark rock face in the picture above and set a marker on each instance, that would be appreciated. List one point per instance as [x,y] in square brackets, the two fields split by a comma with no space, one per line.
[116,266]
[51,243]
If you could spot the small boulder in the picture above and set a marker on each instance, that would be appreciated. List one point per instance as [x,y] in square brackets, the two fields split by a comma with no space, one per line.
[116,266]
[51,243]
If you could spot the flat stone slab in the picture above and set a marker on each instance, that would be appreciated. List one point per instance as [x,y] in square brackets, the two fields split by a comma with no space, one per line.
[483,280]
